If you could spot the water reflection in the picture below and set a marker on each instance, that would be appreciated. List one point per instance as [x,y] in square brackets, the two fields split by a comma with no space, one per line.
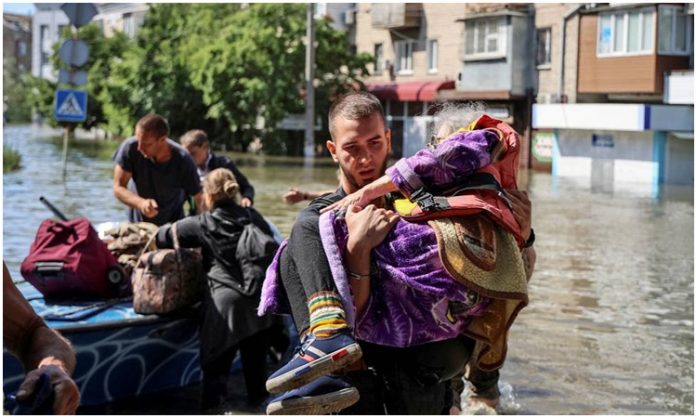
[609,328]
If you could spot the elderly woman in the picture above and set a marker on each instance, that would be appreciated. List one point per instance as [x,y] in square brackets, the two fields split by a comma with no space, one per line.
[229,320]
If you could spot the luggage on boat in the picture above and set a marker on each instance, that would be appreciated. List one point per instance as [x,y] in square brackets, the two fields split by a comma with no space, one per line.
[68,260]
[168,279]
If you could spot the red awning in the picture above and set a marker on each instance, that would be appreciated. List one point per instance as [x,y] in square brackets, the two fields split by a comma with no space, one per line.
[411,91]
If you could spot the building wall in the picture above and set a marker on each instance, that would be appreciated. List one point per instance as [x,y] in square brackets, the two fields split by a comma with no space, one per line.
[629,74]
[520,48]
[52,16]
[679,160]
[16,40]
[549,15]
[630,160]
[439,21]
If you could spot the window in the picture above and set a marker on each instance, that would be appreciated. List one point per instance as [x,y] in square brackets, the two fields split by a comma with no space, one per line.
[432,55]
[404,56]
[379,58]
[485,38]
[675,29]
[320,10]
[22,48]
[543,56]
[44,45]
[626,32]
[128,25]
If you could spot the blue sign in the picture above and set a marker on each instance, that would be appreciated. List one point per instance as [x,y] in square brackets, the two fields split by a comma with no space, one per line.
[604,141]
[71,106]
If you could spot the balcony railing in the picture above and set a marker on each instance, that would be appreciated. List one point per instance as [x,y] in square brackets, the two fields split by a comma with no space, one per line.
[679,87]
[396,15]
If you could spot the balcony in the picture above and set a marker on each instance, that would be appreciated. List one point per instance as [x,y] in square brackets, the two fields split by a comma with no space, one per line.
[396,15]
[679,87]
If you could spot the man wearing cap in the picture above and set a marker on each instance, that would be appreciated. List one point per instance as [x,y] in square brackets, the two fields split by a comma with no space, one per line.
[154,175]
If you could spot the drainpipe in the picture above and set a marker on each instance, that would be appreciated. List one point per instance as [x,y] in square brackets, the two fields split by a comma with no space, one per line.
[566,17]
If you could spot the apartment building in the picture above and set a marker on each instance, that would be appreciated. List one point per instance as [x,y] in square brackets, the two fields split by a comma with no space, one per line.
[428,53]
[415,46]
[121,17]
[619,113]
[50,20]
[16,41]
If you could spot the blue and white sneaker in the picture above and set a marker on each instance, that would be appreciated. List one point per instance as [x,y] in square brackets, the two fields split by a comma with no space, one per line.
[316,357]
[325,395]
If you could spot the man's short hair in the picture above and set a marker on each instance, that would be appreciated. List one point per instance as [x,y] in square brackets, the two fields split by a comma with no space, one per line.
[153,124]
[355,106]
[194,138]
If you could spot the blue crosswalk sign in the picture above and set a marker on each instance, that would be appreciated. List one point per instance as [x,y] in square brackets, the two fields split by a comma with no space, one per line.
[71,106]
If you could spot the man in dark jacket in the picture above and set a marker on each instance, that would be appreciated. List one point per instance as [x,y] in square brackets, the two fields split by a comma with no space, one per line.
[196,143]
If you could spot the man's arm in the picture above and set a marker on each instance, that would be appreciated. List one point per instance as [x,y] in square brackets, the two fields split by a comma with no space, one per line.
[366,230]
[40,349]
[200,202]
[147,207]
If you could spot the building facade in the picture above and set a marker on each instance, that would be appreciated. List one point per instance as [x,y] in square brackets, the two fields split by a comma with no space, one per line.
[623,116]
[16,41]
[428,53]
[49,21]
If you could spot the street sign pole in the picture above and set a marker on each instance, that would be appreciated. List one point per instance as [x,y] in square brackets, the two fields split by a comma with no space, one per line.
[71,105]
[309,93]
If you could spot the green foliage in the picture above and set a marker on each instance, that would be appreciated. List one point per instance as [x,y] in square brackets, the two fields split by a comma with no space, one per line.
[251,64]
[234,71]
[104,53]
[152,76]
[16,90]
[11,159]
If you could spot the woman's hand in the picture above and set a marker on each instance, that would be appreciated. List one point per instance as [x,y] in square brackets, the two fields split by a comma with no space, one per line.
[365,195]
[521,210]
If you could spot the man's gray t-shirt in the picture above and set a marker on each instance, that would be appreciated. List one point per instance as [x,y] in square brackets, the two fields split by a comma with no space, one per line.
[168,183]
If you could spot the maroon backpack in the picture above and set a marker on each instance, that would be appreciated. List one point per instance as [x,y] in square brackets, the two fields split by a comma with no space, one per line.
[68,260]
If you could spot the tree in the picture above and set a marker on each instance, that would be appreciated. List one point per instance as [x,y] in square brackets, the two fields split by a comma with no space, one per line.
[250,65]
[16,107]
[104,52]
[153,75]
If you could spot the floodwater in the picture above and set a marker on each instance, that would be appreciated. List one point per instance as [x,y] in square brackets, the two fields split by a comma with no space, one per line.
[609,328]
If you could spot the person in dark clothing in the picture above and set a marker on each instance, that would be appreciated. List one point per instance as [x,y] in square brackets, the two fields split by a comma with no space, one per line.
[196,143]
[229,321]
[408,380]
[154,175]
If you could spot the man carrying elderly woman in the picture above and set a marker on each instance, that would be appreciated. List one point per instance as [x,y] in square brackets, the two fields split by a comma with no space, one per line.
[386,301]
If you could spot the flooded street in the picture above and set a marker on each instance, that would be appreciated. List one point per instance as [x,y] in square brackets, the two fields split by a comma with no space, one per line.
[609,328]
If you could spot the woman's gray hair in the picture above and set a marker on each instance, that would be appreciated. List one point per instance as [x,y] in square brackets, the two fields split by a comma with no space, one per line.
[454,116]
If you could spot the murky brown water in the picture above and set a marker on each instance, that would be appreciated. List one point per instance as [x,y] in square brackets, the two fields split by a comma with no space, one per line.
[609,329]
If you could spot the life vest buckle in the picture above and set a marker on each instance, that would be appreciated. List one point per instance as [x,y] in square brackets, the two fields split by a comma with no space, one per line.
[428,202]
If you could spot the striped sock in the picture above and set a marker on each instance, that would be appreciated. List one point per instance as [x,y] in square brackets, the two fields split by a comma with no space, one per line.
[326,314]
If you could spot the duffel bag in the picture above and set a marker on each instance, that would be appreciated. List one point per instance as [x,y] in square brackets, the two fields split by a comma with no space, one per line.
[168,279]
[68,260]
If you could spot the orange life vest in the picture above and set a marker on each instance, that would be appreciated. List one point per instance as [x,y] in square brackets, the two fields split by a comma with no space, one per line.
[484,192]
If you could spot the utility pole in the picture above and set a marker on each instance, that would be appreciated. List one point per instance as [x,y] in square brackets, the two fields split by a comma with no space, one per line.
[309,78]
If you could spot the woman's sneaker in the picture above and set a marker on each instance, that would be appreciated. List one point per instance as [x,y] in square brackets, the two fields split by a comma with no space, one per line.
[317,357]
[325,395]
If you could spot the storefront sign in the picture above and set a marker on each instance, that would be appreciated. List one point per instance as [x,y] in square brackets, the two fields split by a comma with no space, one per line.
[542,146]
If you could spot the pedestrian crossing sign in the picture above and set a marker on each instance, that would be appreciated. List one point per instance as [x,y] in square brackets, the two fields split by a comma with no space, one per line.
[71,106]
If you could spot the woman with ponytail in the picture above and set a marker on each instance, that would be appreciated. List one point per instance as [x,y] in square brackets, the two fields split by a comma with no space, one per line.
[229,321]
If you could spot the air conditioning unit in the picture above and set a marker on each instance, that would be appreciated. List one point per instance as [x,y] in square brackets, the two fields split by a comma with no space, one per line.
[349,17]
